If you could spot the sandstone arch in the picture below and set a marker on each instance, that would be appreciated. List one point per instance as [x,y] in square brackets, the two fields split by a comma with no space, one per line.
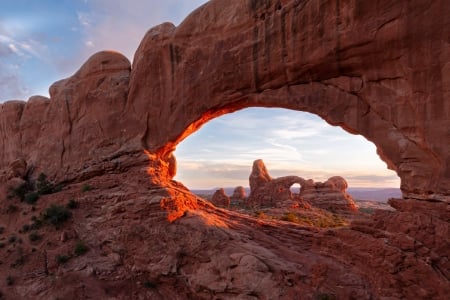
[377,68]
[370,68]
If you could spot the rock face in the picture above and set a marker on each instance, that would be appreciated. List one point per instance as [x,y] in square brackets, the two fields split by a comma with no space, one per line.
[259,175]
[369,67]
[268,192]
[220,199]
[238,196]
[331,195]
[82,131]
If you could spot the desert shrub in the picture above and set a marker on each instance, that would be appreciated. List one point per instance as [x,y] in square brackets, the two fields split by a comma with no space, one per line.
[31,197]
[12,239]
[34,236]
[19,191]
[62,259]
[37,223]
[290,217]
[72,204]
[56,215]
[2,245]
[86,188]
[43,186]
[80,248]
[2,229]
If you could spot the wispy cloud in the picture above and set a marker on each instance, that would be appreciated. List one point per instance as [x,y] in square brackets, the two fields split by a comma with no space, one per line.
[207,174]
[119,25]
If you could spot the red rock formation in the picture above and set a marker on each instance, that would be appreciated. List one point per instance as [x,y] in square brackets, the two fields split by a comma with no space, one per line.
[219,198]
[331,195]
[368,69]
[82,131]
[259,175]
[238,196]
[268,192]
[376,68]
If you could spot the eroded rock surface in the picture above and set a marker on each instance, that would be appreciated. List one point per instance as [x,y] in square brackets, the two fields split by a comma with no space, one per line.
[376,68]
[266,191]
[219,198]
[82,131]
[239,196]
[365,67]
[331,194]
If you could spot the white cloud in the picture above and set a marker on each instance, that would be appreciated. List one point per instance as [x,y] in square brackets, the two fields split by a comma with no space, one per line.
[84,19]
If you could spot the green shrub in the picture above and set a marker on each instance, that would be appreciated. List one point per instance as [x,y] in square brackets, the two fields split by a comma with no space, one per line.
[72,204]
[34,236]
[20,191]
[31,197]
[80,248]
[43,186]
[37,223]
[62,259]
[56,215]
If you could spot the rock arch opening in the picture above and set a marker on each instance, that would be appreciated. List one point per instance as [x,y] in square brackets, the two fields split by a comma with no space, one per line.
[295,188]
[291,142]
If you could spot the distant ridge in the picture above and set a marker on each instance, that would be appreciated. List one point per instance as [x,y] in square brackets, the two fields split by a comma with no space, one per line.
[374,194]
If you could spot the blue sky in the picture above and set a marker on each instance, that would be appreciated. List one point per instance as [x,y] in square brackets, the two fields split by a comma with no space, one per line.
[42,41]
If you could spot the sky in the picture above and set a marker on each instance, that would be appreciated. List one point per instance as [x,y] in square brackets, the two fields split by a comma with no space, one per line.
[42,41]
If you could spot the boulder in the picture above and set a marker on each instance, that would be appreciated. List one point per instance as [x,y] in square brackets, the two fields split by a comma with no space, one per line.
[238,196]
[220,199]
